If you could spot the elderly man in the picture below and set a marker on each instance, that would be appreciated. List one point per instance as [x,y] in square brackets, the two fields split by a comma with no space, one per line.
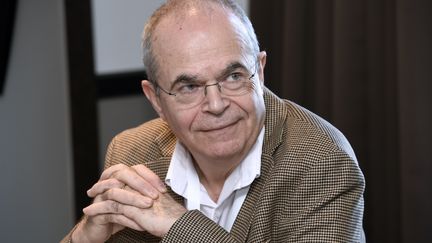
[241,164]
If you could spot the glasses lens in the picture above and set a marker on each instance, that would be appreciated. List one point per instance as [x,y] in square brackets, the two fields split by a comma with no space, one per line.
[236,88]
[191,95]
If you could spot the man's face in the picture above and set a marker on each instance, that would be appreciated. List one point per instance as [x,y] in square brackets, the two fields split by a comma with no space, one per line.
[222,128]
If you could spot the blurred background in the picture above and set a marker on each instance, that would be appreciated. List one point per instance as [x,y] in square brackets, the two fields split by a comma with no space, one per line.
[70,76]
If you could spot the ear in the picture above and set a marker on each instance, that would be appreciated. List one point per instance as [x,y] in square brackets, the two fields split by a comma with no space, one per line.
[150,92]
[262,57]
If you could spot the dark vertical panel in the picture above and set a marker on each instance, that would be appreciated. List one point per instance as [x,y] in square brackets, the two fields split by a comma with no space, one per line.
[365,66]
[292,48]
[284,37]
[83,96]
[350,70]
[321,91]
[382,168]
[415,80]
[298,66]
[269,39]
[7,19]
[308,51]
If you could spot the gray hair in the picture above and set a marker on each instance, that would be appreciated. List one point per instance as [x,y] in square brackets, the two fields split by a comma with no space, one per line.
[179,6]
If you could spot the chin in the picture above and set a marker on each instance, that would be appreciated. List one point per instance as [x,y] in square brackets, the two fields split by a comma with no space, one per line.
[224,150]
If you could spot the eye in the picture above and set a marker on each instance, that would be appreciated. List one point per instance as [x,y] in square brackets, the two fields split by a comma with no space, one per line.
[235,77]
[187,88]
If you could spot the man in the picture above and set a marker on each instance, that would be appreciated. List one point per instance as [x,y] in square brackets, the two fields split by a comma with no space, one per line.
[241,164]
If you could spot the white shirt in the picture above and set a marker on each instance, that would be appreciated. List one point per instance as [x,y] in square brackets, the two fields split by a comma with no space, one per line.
[183,179]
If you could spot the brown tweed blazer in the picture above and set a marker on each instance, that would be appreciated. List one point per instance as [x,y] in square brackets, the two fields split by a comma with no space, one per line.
[310,188]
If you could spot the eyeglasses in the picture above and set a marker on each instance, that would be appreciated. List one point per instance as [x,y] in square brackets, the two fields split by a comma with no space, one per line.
[189,93]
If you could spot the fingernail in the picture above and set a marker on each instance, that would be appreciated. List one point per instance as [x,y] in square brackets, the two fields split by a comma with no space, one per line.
[162,187]
[147,203]
[153,194]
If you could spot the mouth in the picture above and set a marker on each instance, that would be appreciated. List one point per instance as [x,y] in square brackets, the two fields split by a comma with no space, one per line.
[220,127]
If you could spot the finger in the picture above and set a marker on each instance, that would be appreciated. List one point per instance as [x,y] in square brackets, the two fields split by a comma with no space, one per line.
[98,198]
[156,221]
[103,207]
[127,197]
[120,221]
[111,206]
[109,171]
[104,185]
[131,178]
[151,177]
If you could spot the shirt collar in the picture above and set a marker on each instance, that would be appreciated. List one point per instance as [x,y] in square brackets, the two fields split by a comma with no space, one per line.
[183,179]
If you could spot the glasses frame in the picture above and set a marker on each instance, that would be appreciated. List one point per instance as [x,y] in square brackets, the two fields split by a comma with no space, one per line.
[217,83]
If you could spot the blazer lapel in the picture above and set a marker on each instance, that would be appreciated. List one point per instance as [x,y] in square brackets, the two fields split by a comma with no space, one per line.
[242,224]
[274,124]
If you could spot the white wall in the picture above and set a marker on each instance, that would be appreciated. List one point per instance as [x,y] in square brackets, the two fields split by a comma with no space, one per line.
[117,27]
[35,148]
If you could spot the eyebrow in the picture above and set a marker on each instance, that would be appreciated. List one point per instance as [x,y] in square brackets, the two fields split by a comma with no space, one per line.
[231,67]
[184,78]
[187,78]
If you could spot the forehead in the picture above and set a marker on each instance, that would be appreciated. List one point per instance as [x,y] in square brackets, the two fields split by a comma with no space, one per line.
[199,39]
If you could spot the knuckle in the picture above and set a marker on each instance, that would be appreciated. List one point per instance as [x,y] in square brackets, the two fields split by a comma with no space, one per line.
[112,182]
[119,166]
[108,218]
[148,202]
[116,174]
[119,175]
[122,173]
[152,176]
[115,207]
[140,166]
[135,176]
[117,183]
[109,194]
[103,196]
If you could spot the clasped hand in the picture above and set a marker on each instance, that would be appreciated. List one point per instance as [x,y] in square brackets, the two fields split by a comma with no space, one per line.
[132,197]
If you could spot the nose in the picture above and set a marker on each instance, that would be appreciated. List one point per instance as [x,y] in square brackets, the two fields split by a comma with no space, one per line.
[215,103]
[209,85]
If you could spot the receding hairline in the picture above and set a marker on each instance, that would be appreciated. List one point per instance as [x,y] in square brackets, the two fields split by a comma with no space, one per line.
[178,10]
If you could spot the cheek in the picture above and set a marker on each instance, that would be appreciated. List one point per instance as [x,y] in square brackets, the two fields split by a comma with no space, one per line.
[256,106]
[179,121]
[256,113]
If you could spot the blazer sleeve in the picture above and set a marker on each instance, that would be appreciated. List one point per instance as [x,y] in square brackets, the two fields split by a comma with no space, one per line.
[331,194]
[193,226]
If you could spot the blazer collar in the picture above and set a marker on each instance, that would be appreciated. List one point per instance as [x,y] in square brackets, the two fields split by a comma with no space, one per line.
[166,140]
[276,113]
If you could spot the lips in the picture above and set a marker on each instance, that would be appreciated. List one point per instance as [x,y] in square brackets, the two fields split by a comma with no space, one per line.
[218,127]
